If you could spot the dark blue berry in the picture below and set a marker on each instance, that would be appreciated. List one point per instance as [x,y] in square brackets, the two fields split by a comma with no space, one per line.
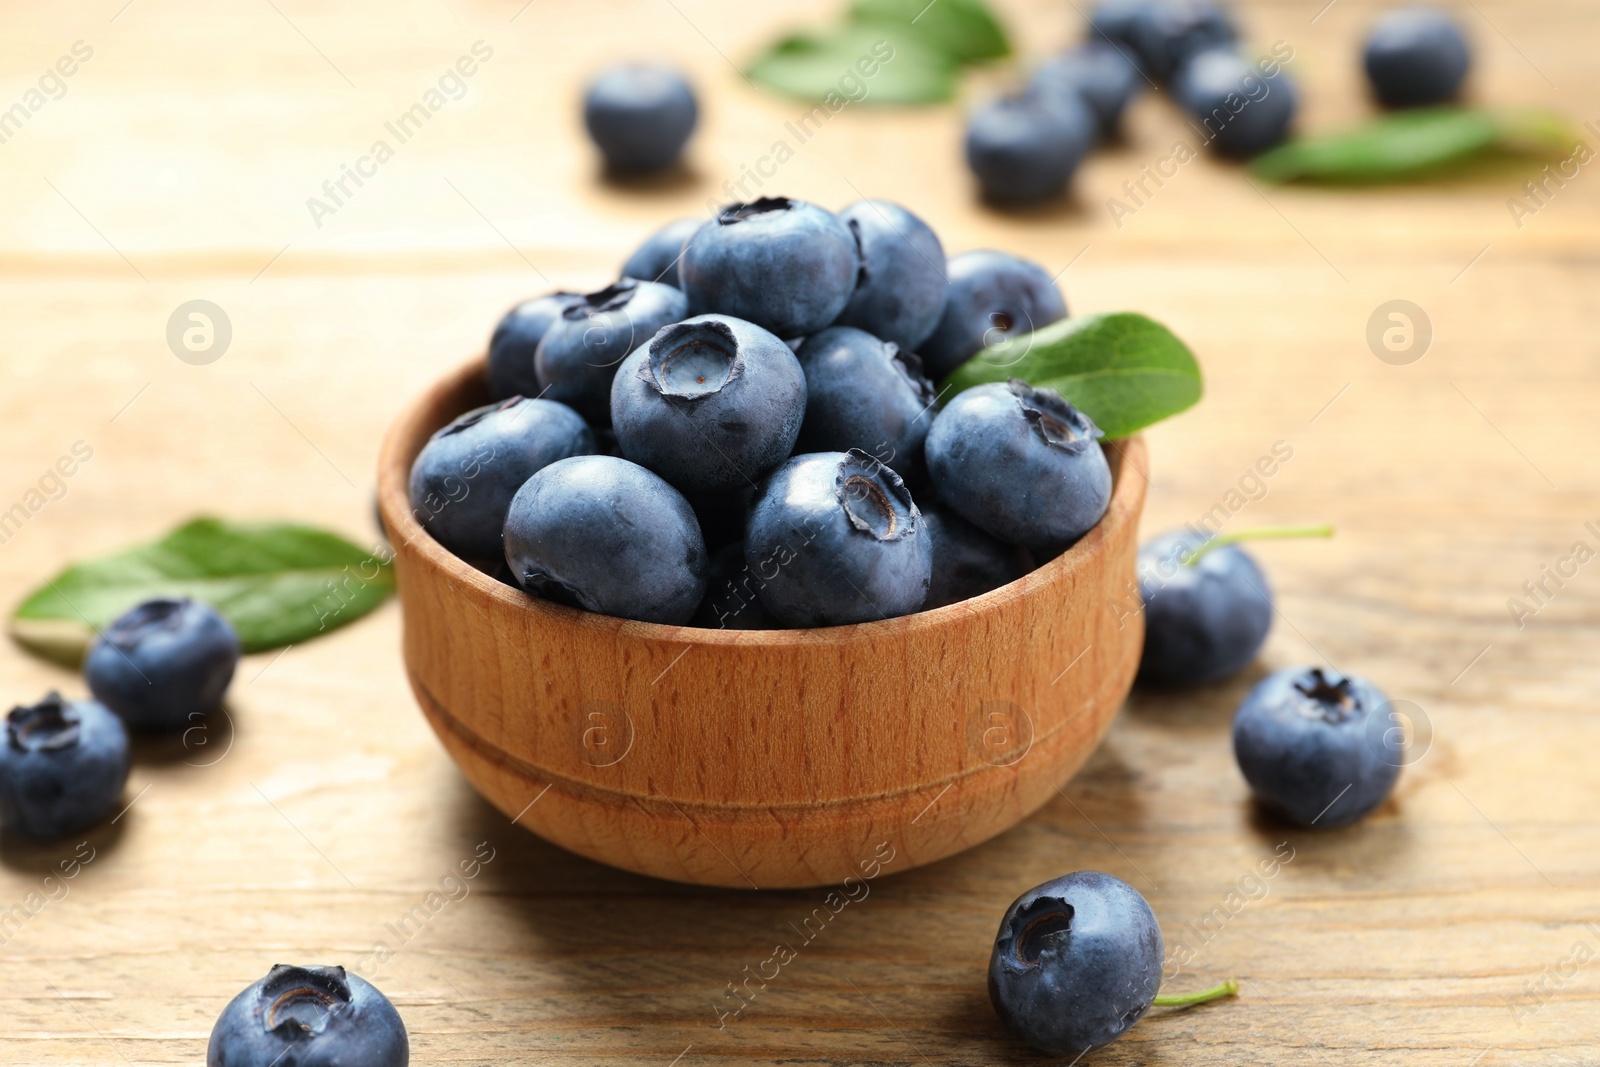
[1076,963]
[864,393]
[607,535]
[1166,33]
[788,266]
[1025,148]
[1416,55]
[640,116]
[1243,110]
[966,561]
[1317,746]
[710,404]
[62,767]
[309,1017]
[580,352]
[1098,73]
[834,538]
[516,339]
[991,295]
[464,478]
[657,259]
[163,664]
[1020,463]
[900,287]
[1204,621]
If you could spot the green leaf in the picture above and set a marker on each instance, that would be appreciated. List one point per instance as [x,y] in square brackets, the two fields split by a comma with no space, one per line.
[1412,144]
[965,30]
[856,64]
[277,583]
[1122,370]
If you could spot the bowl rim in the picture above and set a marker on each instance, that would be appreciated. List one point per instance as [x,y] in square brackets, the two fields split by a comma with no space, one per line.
[1130,476]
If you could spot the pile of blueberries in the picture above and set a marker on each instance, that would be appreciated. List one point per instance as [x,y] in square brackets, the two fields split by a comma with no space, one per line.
[1025,147]
[731,434]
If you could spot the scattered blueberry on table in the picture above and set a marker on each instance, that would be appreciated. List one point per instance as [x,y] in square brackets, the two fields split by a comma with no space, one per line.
[640,116]
[163,663]
[1026,147]
[1244,109]
[1317,746]
[63,764]
[1101,75]
[1416,55]
[1205,618]
[309,1017]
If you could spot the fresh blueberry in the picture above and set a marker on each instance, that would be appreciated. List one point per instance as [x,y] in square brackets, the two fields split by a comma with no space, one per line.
[710,404]
[966,561]
[1099,74]
[580,352]
[1416,55]
[515,340]
[834,538]
[62,767]
[991,295]
[1116,23]
[1203,621]
[1317,746]
[785,265]
[640,116]
[900,287]
[464,478]
[163,664]
[732,601]
[864,393]
[1166,33]
[657,259]
[1022,464]
[1243,110]
[1076,963]
[309,1017]
[1025,148]
[609,536]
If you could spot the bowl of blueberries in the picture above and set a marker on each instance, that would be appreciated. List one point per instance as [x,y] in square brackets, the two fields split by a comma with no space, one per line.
[703,578]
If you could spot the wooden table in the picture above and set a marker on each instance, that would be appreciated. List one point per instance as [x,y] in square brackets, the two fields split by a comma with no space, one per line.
[177,166]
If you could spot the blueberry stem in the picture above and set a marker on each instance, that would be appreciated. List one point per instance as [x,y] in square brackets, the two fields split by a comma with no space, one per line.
[1183,1000]
[1260,533]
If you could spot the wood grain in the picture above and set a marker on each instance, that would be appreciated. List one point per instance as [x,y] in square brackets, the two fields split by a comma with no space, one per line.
[177,166]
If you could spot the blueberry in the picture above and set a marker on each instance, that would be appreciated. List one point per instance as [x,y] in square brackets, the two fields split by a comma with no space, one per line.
[580,352]
[1416,55]
[309,1017]
[1317,746]
[899,290]
[1244,111]
[1116,23]
[1099,74]
[710,404]
[1025,148]
[1166,33]
[1204,621]
[464,478]
[607,535]
[1021,464]
[516,338]
[62,767]
[732,601]
[864,393]
[640,116]
[657,259]
[1076,963]
[163,664]
[785,265]
[834,538]
[966,561]
[991,295]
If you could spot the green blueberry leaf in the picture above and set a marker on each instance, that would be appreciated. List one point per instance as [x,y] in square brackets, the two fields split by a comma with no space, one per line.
[965,30]
[277,583]
[1123,370]
[1412,144]
[855,64]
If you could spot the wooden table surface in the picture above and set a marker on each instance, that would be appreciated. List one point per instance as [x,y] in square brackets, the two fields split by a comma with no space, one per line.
[1458,926]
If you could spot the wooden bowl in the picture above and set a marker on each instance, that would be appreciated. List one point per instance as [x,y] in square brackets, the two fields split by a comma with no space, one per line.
[763,759]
